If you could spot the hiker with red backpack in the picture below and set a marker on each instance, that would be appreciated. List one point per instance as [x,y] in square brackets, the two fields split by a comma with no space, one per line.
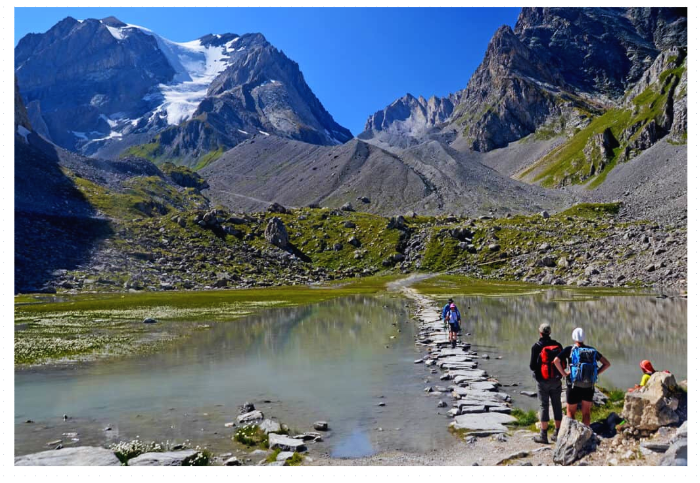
[548,381]
[581,374]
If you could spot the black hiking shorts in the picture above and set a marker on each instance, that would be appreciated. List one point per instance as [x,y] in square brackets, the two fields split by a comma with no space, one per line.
[549,391]
[575,395]
[454,327]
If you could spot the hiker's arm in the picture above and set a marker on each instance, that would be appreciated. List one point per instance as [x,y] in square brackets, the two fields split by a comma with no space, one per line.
[557,364]
[533,358]
[605,365]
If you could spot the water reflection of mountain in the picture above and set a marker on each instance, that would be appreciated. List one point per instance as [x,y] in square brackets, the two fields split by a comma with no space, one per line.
[625,328]
[334,329]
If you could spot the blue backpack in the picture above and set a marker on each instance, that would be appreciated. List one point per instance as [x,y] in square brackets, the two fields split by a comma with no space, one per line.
[584,366]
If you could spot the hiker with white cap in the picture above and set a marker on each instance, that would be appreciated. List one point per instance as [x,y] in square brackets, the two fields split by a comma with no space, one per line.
[548,380]
[581,374]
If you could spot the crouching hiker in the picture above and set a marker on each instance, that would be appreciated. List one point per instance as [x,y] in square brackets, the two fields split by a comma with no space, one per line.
[548,381]
[581,374]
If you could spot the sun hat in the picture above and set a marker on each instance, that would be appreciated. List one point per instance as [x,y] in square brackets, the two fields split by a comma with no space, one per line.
[578,335]
[646,366]
[545,328]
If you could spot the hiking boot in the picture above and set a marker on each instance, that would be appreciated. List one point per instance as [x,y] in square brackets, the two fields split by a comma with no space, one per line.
[542,438]
[454,344]
[554,436]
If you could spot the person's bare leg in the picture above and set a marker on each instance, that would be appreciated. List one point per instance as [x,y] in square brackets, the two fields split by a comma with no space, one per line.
[557,424]
[544,425]
[586,412]
[571,410]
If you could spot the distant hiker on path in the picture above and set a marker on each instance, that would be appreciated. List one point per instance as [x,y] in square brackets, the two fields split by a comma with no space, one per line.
[548,380]
[453,320]
[446,310]
[581,374]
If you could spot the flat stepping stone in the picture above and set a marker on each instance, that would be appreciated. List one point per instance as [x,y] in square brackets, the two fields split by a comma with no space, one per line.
[168,458]
[455,359]
[500,409]
[475,373]
[488,404]
[286,443]
[465,393]
[473,409]
[484,423]
[483,386]
[457,365]
[80,456]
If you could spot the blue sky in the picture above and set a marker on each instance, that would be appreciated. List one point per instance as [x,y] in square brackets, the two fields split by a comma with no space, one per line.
[356,60]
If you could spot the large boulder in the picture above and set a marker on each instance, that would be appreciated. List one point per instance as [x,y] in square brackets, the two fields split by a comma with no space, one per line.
[167,458]
[276,233]
[575,441]
[654,405]
[80,456]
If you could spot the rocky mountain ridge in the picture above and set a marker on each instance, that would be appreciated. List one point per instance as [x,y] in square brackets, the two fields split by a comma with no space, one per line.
[551,74]
[112,86]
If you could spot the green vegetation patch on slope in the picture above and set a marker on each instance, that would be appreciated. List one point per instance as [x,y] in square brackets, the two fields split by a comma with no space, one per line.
[147,195]
[567,164]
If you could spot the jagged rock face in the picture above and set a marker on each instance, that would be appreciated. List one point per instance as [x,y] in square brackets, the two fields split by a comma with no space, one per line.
[509,95]
[601,50]
[555,60]
[411,116]
[21,116]
[260,92]
[599,150]
[77,75]
[100,86]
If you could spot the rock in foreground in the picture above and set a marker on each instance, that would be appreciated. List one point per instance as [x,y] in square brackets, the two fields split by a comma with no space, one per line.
[168,458]
[286,443]
[81,456]
[654,405]
[574,442]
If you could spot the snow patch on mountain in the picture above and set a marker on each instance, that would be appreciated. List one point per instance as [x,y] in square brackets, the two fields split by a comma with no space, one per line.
[195,65]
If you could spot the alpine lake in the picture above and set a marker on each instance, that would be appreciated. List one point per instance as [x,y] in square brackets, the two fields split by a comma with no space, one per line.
[346,358]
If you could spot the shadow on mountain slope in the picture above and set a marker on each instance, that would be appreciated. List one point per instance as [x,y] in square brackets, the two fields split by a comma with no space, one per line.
[56,228]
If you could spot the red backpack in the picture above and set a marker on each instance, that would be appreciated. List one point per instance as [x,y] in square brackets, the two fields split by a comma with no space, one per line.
[547,355]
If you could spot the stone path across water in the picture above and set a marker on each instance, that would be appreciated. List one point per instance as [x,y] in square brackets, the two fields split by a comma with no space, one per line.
[478,408]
